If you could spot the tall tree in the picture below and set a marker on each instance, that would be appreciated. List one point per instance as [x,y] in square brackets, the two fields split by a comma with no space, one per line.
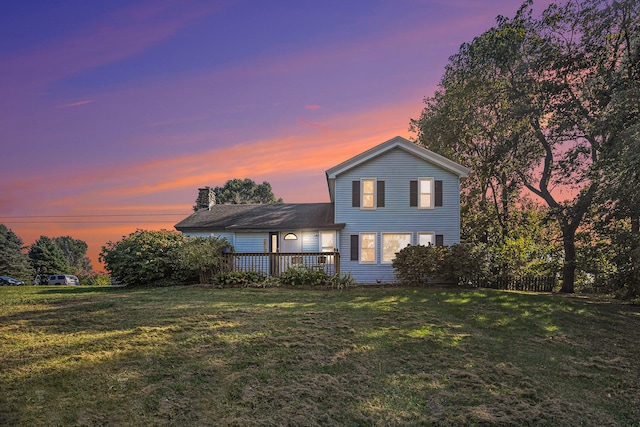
[244,191]
[75,252]
[535,102]
[47,258]
[13,261]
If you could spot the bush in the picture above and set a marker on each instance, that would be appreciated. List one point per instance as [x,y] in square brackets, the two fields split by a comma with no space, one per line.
[200,257]
[461,263]
[416,265]
[145,258]
[342,282]
[303,276]
[237,278]
[468,263]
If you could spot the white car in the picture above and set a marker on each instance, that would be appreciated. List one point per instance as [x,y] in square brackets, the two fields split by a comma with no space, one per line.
[63,279]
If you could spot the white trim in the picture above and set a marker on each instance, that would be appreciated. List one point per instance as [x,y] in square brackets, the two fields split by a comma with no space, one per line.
[430,233]
[320,247]
[432,194]
[375,248]
[406,145]
[374,194]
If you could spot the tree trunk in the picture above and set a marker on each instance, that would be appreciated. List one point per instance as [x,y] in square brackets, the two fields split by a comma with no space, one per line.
[569,266]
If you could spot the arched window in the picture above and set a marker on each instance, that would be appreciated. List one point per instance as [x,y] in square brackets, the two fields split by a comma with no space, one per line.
[290,236]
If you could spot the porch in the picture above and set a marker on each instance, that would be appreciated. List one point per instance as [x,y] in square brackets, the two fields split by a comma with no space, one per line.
[273,264]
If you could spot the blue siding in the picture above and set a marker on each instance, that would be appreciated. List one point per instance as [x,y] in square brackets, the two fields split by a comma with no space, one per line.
[397,168]
[310,241]
[251,242]
[229,236]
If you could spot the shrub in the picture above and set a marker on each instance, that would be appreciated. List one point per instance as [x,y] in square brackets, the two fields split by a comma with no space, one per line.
[461,263]
[416,265]
[468,263]
[201,257]
[303,276]
[144,258]
[342,282]
[237,278]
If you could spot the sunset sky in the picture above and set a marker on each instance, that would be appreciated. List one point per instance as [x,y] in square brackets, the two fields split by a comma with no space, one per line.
[113,114]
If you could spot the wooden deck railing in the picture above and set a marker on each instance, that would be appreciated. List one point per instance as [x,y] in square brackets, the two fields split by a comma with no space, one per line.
[272,264]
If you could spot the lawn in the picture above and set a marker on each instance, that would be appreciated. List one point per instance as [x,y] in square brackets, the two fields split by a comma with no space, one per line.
[255,357]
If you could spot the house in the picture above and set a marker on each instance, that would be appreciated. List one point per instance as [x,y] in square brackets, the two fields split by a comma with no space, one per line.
[390,196]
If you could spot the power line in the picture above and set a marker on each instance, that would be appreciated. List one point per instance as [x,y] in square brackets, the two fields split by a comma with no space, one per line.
[88,218]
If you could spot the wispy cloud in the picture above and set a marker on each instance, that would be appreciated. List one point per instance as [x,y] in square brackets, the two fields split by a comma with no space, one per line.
[76,104]
[119,35]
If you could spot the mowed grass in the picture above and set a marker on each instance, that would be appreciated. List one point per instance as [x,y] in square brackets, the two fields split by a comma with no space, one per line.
[370,357]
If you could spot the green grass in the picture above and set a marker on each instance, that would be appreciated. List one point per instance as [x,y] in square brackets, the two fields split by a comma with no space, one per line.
[392,356]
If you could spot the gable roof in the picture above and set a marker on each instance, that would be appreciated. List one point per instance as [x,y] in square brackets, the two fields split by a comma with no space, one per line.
[272,217]
[406,145]
[396,142]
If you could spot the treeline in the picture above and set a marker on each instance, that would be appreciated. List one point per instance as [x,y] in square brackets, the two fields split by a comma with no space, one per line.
[46,256]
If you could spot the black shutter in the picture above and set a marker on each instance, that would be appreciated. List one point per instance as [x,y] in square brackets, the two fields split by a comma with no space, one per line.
[439,240]
[413,193]
[380,189]
[354,247]
[355,194]
[438,188]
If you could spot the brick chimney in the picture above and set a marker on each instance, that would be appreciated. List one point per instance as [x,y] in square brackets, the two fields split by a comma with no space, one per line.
[206,198]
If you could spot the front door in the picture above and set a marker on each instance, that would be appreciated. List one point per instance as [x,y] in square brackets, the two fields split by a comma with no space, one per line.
[291,242]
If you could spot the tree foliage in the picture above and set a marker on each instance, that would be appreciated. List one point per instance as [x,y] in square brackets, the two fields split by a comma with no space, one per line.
[539,103]
[75,253]
[144,258]
[47,258]
[13,261]
[245,191]
[202,256]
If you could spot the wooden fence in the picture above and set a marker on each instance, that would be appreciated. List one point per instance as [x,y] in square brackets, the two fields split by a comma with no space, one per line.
[273,264]
[528,283]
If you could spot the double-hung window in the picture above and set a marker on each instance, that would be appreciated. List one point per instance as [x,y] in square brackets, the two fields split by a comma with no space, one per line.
[425,193]
[368,248]
[367,193]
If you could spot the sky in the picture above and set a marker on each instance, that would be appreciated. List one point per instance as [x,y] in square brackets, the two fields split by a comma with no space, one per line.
[113,114]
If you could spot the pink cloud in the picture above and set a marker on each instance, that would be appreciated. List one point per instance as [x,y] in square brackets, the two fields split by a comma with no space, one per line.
[312,107]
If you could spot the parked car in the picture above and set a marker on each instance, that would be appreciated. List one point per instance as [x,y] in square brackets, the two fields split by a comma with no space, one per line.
[63,279]
[9,281]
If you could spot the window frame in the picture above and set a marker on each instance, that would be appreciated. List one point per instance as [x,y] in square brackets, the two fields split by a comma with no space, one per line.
[361,247]
[431,193]
[320,243]
[374,195]
[427,233]
[395,233]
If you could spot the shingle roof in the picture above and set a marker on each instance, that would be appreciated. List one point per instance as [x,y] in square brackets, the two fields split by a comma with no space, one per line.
[274,217]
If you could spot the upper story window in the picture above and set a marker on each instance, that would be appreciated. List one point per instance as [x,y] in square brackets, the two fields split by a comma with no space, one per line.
[425,193]
[368,193]
[425,198]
